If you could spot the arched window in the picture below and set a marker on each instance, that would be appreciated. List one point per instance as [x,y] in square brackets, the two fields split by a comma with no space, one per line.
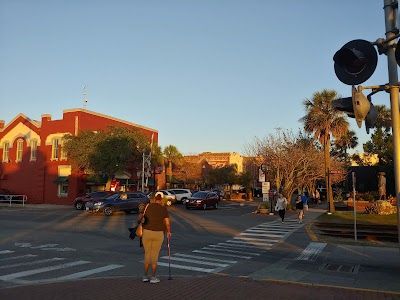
[33,150]
[6,152]
[20,149]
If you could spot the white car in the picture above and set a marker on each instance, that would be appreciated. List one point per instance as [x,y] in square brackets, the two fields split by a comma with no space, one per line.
[181,194]
[169,197]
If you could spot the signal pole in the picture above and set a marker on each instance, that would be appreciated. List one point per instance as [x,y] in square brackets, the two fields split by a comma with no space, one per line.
[390,8]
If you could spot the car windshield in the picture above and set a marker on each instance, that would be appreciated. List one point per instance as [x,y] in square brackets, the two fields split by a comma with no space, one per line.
[201,195]
[112,197]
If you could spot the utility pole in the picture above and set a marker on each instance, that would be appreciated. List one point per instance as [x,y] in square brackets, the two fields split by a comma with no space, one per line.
[390,8]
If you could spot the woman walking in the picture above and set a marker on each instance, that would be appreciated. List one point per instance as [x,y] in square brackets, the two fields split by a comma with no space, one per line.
[299,208]
[281,204]
[156,222]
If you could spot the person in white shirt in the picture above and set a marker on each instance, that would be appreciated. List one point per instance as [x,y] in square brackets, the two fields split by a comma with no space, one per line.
[281,204]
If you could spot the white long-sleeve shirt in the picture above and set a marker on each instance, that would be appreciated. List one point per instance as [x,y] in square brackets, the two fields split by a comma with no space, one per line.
[281,203]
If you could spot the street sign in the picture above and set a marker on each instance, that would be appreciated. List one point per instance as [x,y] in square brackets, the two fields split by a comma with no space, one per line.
[265,187]
[261,176]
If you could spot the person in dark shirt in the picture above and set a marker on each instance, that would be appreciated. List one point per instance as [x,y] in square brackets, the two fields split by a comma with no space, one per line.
[156,223]
[299,208]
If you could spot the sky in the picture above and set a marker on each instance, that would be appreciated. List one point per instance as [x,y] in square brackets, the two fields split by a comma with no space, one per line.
[209,75]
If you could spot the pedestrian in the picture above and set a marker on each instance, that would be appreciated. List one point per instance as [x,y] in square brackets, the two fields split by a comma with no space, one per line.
[317,197]
[156,223]
[299,208]
[281,204]
[304,199]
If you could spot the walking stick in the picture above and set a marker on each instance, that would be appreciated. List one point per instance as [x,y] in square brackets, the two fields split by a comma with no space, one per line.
[169,259]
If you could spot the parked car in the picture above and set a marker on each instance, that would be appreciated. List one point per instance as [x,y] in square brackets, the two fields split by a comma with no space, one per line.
[80,202]
[127,202]
[203,199]
[169,197]
[181,194]
[219,193]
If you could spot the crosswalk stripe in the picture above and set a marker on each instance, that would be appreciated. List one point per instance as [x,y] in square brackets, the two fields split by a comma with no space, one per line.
[17,257]
[44,246]
[206,258]
[31,263]
[262,234]
[6,251]
[240,245]
[251,239]
[250,243]
[235,247]
[230,251]
[160,263]
[88,272]
[223,254]
[267,229]
[41,270]
[196,261]
[312,251]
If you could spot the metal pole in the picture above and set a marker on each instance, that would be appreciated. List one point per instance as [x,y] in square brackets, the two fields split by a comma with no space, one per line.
[353,176]
[143,172]
[390,8]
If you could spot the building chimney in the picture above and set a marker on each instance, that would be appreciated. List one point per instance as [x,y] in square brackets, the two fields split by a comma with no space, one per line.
[46,117]
[2,124]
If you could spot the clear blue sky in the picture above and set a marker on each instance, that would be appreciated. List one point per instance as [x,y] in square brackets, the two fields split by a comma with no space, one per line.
[208,75]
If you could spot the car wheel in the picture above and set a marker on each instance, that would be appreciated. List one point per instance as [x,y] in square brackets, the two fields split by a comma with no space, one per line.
[169,202]
[108,210]
[216,205]
[204,206]
[79,205]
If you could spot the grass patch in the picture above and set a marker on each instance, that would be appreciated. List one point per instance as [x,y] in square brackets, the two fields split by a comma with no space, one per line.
[346,217]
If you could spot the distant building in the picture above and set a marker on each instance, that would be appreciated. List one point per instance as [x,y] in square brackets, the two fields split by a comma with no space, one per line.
[33,160]
[217,159]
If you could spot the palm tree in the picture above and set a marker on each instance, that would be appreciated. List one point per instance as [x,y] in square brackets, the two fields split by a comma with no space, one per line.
[172,156]
[347,141]
[323,121]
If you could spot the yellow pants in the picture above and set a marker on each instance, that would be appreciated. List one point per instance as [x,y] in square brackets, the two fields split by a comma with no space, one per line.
[152,241]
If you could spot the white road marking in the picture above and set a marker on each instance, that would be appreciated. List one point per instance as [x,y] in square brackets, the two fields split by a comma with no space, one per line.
[88,272]
[12,276]
[230,251]
[206,258]
[23,245]
[273,235]
[312,251]
[17,257]
[44,246]
[243,245]
[30,263]
[6,251]
[235,247]
[251,239]
[223,254]
[196,261]
[250,243]
[186,267]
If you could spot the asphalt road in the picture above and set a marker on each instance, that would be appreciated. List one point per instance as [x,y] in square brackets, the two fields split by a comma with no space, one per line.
[59,243]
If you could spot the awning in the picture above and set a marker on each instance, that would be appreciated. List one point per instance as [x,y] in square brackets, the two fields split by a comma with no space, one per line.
[122,175]
[61,179]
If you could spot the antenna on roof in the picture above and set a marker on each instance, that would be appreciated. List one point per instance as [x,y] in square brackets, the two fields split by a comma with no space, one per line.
[85,99]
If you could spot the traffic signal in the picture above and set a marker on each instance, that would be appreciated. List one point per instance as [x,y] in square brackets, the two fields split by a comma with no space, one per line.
[357,106]
[355,62]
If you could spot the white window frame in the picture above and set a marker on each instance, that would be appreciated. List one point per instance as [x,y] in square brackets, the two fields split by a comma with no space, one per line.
[33,150]
[63,155]
[6,152]
[60,192]
[55,146]
[20,150]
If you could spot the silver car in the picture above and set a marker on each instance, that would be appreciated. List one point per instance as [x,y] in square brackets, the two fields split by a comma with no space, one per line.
[181,194]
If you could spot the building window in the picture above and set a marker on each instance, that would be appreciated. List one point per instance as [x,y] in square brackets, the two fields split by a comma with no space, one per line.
[6,151]
[63,189]
[54,149]
[20,149]
[63,153]
[33,150]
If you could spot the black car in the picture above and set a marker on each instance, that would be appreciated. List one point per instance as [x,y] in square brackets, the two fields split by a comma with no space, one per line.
[203,200]
[127,202]
[80,202]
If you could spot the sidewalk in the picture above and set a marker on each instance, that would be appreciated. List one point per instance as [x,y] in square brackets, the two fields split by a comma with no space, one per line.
[210,287]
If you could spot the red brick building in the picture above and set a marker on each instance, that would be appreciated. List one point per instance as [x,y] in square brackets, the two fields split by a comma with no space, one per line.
[33,162]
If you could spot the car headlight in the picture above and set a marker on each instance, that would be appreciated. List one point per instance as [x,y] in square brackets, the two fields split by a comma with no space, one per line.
[98,203]
[198,201]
